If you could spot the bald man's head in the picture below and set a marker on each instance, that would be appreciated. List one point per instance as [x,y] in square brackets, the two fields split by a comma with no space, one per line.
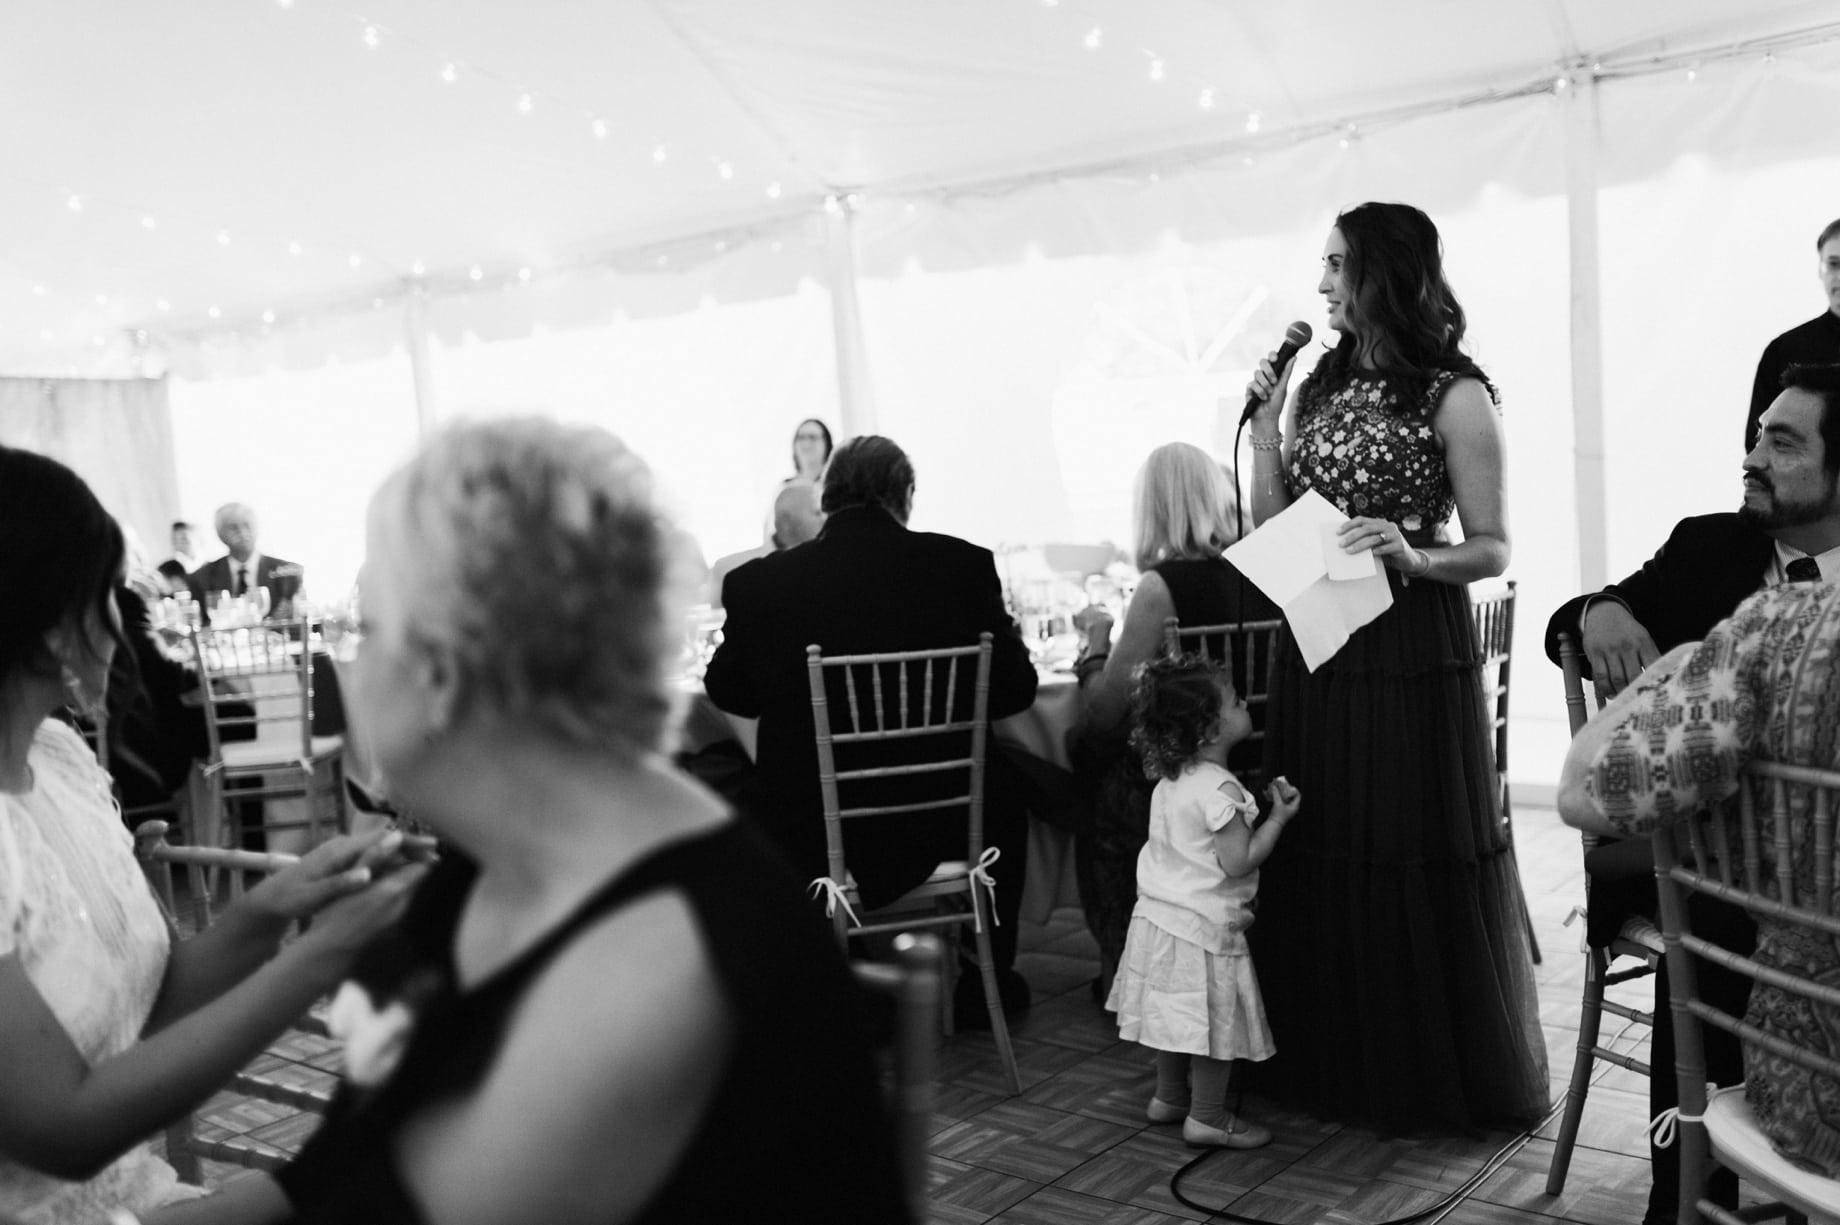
[796,517]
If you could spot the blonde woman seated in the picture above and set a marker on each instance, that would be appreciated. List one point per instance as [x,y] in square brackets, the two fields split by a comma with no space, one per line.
[1184,519]
[611,1003]
[109,1028]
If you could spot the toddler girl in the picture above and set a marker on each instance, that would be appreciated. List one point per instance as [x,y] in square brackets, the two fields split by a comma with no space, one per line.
[1185,986]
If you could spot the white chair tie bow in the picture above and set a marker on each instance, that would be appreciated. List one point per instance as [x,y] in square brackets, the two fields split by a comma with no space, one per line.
[835,895]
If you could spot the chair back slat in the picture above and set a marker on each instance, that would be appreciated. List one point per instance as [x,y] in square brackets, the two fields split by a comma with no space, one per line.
[849,684]
[1823,900]
[1721,846]
[1575,713]
[1780,842]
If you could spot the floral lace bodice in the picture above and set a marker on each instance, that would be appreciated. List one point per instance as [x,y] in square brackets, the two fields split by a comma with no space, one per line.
[76,911]
[1357,446]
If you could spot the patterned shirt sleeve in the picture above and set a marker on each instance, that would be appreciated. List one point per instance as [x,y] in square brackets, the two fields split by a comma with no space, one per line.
[1682,745]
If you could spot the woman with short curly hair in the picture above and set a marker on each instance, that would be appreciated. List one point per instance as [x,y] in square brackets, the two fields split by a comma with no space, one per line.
[608,976]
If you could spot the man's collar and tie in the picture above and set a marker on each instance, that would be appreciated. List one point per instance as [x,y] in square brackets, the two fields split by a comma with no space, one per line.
[1791,565]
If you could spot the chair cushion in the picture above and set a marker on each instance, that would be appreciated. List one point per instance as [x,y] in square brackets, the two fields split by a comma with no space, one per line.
[1741,1146]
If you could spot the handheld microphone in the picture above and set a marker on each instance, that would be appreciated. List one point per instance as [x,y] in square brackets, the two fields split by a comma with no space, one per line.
[1296,336]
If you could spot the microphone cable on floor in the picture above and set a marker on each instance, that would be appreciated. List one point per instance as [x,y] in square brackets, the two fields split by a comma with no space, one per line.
[1449,1201]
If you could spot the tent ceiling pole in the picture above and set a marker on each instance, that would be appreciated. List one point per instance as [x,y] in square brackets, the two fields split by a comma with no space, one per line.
[416,336]
[1587,349]
[855,395]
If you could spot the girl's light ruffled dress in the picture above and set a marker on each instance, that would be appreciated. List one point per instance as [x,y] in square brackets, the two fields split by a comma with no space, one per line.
[1186,982]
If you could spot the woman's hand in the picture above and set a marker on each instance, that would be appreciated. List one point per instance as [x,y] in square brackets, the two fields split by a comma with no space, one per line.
[336,868]
[345,926]
[1384,540]
[1268,383]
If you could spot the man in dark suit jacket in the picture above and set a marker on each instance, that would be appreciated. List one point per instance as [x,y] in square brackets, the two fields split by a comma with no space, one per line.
[1814,342]
[244,569]
[868,584]
[1788,523]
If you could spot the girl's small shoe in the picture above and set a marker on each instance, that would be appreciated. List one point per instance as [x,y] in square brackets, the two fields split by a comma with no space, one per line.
[1233,1132]
[1160,1111]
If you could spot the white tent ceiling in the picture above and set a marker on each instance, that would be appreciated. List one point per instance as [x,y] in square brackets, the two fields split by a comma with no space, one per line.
[184,167]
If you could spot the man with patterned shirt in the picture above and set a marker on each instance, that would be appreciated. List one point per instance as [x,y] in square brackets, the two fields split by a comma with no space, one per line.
[1786,531]
[1764,685]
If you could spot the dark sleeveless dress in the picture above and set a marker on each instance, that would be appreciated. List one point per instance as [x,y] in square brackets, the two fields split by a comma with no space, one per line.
[1390,945]
[1204,592]
[796,1129]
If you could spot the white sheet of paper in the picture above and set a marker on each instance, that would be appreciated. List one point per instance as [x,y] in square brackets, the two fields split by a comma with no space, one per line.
[1287,558]
[1283,556]
[1340,564]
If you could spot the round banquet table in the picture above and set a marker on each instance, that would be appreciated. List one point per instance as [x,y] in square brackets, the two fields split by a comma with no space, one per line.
[1044,732]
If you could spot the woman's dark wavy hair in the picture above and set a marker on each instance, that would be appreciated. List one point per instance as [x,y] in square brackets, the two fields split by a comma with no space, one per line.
[62,555]
[1174,703]
[1406,318]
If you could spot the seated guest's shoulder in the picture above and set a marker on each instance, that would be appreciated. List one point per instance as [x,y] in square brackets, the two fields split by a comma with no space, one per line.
[1721,527]
[951,546]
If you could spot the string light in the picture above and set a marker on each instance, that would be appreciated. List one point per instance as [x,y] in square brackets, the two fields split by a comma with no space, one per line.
[773,191]
[102,299]
[450,72]
[354,259]
[294,248]
[38,291]
[214,312]
[1253,121]
[147,222]
[373,37]
[1157,70]
[1205,100]
[1692,73]
[418,268]
[162,306]
[74,203]
[268,316]
[599,128]
[476,273]
[223,238]
[524,275]
[1095,38]
[526,104]
[725,170]
[658,154]
[1561,83]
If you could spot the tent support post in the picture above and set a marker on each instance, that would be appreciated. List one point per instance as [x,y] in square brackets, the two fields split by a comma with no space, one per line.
[416,335]
[855,395]
[1587,348]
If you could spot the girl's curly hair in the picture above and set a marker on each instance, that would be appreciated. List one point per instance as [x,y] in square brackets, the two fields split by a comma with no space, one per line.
[1174,703]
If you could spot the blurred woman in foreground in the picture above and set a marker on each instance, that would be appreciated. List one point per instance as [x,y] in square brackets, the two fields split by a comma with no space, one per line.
[610,1003]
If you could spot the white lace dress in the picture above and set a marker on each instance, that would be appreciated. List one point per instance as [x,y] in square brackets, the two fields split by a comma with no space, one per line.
[76,911]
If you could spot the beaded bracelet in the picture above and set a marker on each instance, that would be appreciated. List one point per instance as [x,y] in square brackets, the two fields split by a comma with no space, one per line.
[1274,443]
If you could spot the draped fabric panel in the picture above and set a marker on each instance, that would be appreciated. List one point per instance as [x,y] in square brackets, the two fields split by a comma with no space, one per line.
[116,433]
